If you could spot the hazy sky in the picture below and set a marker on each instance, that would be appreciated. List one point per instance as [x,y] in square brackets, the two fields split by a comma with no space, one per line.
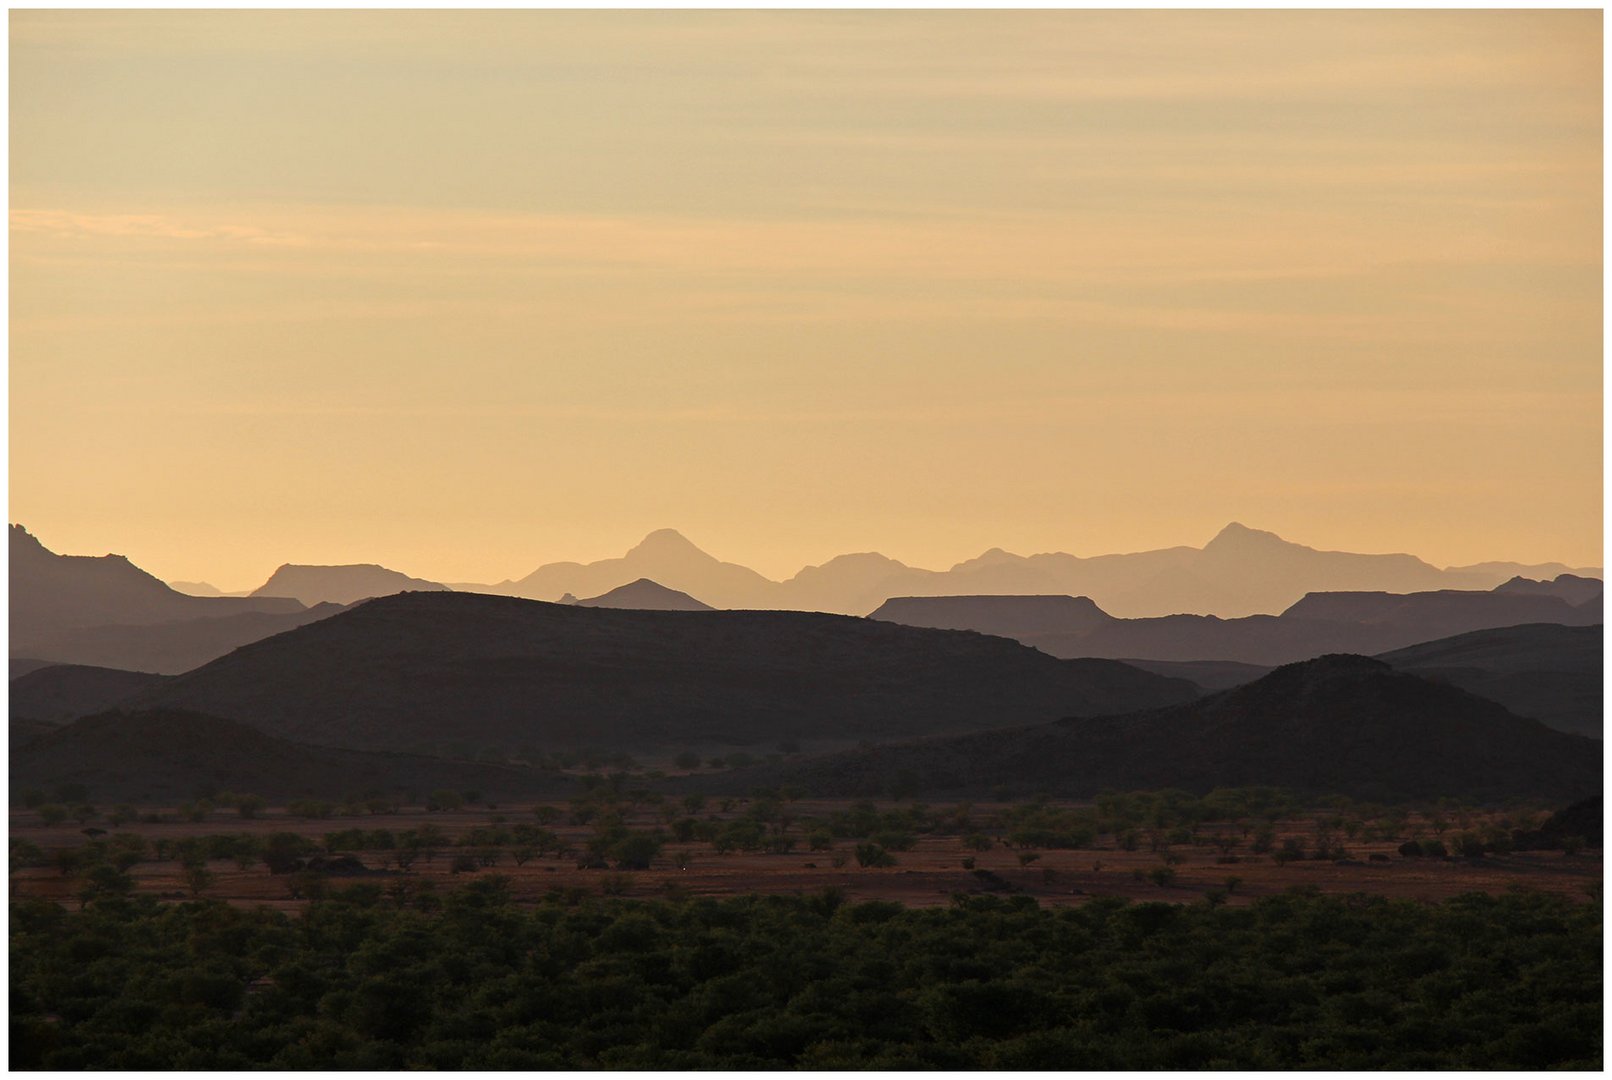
[463,293]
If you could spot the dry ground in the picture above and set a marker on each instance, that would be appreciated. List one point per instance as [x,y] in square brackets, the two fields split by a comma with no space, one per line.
[928,875]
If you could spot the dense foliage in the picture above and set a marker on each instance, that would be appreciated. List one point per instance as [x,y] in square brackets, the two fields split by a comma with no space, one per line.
[386,979]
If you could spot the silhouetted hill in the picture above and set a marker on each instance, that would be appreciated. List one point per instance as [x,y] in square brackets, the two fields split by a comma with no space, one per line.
[646,595]
[424,670]
[174,647]
[64,692]
[1337,724]
[341,584]
[53,594]
[1542,671]
[22,665]
[1546,672]
[162,756]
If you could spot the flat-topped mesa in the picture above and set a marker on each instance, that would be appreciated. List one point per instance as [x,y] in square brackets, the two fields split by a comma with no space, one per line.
[1488,608]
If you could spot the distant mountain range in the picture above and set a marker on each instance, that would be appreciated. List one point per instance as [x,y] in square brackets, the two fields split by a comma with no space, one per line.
[1366,623]
[1241,571]
[460,673]
[107,612]
[1336,724]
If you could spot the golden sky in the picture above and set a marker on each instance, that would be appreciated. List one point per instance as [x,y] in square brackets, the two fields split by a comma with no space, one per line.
[463,293]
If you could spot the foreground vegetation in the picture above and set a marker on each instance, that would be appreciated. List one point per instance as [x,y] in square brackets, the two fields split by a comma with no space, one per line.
[384,979]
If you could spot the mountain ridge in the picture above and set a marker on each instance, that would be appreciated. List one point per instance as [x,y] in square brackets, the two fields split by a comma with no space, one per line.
[1240,571]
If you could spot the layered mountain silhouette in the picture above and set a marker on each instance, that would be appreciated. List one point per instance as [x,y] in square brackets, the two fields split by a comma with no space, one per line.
[646,595]
[1357,622]
[1241,571]
[1336,724]
[1550,673]
[1541,671]
[421,671]
[312,585]
[200,588]
[62,693]
[107,612]
[163,756]
[664,556]
[52,593]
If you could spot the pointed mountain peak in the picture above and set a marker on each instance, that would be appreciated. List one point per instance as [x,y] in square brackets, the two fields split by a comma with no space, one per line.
[665,543]
[1238,535]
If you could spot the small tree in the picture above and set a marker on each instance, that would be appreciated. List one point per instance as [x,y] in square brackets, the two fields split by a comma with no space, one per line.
[248,806]
[53,813]
[873,855]
[121,814]
[688,760]
[444,799]
[198,878]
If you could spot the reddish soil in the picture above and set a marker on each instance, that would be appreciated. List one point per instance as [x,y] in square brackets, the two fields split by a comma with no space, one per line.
[928,875]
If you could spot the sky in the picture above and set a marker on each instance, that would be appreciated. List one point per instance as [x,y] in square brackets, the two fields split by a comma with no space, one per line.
[462,293]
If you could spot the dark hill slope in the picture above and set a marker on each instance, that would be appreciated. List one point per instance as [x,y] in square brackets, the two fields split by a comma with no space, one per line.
[65,692]
[1337,724]
[167,755]
[426,670]
[1543,671]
